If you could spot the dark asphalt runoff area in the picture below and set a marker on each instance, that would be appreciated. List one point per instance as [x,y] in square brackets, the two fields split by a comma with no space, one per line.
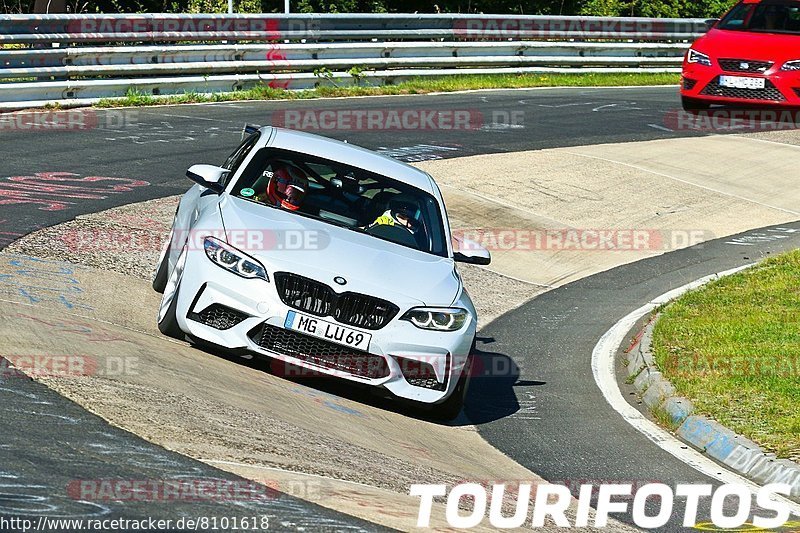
[60,464]
[548,415]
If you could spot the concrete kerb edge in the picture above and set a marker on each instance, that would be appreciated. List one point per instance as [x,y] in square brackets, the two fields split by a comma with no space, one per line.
[715,440]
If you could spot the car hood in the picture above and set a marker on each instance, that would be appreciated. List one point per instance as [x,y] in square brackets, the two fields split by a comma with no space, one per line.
[321,251]
[729,44]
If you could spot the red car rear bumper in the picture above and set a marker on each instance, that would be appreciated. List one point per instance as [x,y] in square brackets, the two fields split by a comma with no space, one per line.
[702,83]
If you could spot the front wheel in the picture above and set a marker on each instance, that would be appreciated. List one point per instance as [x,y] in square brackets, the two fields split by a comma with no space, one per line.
[168,312]
[162,274]
[691,104]
[453,405]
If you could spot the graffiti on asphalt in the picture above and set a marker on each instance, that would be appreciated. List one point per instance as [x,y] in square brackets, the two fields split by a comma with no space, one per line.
[42,281]
[58,191]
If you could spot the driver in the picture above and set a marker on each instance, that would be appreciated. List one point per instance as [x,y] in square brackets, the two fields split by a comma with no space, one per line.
[402,213]
[287,187]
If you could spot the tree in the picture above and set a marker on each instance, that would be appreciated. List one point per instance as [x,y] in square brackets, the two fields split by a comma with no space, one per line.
[656,8]
[606,8]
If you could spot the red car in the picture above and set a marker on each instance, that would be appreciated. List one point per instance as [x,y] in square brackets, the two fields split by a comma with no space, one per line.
[751,56]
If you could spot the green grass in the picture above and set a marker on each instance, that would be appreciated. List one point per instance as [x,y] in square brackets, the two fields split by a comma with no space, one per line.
[733,348]
[414,86]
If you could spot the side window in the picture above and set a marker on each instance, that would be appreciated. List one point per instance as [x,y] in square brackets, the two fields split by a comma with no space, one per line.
[235,160]
[736,18]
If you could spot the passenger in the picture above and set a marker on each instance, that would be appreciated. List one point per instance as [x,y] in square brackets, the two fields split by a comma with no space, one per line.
[402,213]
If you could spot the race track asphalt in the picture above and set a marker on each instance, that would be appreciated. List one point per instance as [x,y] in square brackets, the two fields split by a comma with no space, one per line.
[543,411]
[60,463]
[45,175]
[542,406]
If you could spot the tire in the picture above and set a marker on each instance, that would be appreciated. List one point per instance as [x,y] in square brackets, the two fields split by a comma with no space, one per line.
[168,317]
[169,324]
[162,275]
[690,104]
[454,404]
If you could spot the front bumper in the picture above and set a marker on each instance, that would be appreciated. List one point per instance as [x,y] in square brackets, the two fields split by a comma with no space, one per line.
[247,314]
[702,83]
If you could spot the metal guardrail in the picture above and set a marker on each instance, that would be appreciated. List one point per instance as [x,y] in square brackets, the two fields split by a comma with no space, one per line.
[25,95]
[168,54]
[164,54]
[165,27]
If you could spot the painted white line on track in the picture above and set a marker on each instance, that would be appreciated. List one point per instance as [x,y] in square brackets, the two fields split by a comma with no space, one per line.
[603,360]
[292,472]
[687,182]
[558,106]
[519,280]
[596,109]
[765,141]
[190,117]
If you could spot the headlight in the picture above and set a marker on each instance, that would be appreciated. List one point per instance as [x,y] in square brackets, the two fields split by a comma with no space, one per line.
[696,57]
[791,65]
[437,319]
[233,260]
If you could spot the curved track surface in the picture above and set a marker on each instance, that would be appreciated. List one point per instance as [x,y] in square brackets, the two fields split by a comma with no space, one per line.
[49,444]
[152,145]
[544,412]
[553,418]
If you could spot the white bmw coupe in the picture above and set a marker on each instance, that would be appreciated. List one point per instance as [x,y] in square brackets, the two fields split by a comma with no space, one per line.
[326,256]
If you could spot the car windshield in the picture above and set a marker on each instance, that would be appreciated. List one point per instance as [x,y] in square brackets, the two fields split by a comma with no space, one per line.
[766,17]
[344,196]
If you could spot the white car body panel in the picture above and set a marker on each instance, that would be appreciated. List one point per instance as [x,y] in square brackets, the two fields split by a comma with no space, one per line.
[406,277]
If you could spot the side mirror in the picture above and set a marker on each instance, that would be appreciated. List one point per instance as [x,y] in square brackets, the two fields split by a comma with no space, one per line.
[471,253]
[710,23]
[208,176]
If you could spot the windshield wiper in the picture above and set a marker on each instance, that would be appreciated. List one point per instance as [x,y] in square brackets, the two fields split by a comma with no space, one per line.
[338,224]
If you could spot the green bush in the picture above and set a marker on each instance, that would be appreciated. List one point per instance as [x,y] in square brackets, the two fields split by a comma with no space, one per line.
[221,6]
[656,8]
[646,8]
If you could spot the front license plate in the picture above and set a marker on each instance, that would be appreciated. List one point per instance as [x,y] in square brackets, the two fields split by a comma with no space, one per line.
[740,82]
[329,331]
